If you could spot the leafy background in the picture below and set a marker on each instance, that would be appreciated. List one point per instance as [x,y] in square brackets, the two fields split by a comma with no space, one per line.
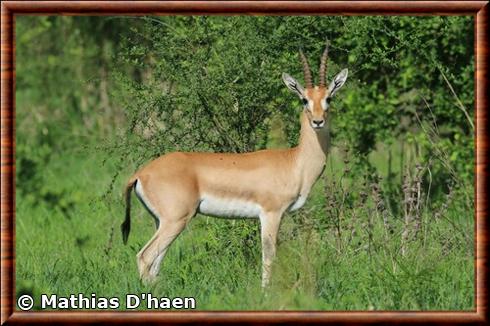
[388,226]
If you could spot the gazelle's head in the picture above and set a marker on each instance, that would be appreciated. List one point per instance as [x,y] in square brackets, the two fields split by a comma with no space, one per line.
[316,99]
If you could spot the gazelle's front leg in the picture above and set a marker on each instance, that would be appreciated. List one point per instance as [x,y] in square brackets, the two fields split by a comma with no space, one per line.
[269,223]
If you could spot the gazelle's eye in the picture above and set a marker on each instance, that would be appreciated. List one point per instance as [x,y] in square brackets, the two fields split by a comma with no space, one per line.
[328,100]
[305,101]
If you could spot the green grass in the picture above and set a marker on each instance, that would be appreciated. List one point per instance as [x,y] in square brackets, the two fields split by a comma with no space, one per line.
[218,261]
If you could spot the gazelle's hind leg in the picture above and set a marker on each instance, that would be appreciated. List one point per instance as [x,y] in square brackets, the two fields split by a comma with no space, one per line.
[151,256]
[173,203]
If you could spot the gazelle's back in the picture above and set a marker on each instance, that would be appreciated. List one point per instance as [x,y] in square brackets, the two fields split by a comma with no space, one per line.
[227,176]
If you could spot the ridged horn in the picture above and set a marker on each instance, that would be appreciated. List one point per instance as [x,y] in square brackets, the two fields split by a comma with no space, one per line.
[306,70]
[323,66]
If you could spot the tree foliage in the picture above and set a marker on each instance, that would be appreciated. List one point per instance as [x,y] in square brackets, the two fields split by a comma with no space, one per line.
[213,83]
[190,83]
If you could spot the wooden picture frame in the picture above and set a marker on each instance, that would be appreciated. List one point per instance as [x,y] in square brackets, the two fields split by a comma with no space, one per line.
[10,9]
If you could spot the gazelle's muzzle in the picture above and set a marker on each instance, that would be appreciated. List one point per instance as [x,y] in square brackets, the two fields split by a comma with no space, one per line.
[317,123]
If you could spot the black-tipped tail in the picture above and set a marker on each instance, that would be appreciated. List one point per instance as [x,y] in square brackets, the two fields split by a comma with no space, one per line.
[126,225]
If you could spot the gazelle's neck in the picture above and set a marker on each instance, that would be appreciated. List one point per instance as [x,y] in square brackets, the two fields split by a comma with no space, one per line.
[311,152]
[313,145]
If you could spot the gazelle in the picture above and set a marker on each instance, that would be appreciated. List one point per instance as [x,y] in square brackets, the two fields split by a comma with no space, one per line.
[263,184]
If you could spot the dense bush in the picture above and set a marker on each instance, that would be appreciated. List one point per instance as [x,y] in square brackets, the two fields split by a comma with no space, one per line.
[213,83]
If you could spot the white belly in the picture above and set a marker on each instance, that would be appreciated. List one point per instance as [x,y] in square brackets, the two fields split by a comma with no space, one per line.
[228,207]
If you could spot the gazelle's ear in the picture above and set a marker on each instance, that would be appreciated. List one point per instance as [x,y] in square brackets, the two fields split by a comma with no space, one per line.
[337,82]
[293,85]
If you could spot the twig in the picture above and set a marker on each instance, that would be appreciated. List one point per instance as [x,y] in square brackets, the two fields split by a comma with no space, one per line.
[460,104]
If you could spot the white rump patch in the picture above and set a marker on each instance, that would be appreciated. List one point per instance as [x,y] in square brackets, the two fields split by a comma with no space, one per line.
[228,207]
[141,195]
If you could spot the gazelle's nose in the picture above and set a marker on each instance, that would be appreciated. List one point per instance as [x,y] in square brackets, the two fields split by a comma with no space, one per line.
[318,123]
